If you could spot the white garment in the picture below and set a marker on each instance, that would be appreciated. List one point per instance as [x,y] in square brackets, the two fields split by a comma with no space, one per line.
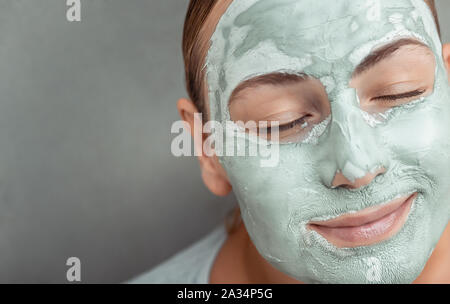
[190,266]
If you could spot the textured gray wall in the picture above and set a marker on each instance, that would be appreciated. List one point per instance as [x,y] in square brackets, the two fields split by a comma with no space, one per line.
[85,116]
[443,7]
[85,163]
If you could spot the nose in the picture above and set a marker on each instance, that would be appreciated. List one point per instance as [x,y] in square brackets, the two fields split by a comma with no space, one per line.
[340,180]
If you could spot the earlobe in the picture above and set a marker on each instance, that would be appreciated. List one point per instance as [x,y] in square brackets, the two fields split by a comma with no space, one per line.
[446,57]
[213,178]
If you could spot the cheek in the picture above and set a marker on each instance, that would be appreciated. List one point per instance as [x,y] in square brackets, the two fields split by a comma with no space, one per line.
[274,201]
[293,188]
[421,137]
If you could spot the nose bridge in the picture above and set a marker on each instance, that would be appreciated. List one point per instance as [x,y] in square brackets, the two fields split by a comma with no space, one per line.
[354,140]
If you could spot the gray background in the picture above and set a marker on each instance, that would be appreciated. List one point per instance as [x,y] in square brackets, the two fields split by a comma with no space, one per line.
[85,163]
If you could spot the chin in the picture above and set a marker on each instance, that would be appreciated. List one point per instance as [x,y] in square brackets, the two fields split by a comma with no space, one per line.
[399,259]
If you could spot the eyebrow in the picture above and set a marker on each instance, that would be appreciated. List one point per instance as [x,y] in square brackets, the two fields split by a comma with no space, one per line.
[383,53]
[284,78]
[275,78]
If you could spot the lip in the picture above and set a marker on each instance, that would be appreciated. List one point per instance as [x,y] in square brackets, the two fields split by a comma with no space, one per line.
[368,226]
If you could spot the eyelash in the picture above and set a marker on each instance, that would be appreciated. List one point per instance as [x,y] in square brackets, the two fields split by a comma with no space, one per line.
[288,125]
[299,121]
[399,96]
[292,124]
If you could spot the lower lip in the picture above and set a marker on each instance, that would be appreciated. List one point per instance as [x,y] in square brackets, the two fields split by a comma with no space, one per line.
[370,233]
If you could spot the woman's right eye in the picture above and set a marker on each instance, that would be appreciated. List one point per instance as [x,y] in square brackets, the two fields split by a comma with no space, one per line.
[299,122]
[286,131]
[284,112]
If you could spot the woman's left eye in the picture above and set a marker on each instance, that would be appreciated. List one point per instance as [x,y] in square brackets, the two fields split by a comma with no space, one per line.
[401,96]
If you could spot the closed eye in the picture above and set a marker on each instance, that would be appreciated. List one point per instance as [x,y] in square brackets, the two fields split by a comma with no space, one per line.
[288,125]
[406,95]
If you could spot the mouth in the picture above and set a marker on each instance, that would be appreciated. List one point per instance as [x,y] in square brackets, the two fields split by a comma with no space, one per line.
[366,227]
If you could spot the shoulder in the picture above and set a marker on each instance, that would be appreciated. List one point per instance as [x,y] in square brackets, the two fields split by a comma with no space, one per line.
[190,266]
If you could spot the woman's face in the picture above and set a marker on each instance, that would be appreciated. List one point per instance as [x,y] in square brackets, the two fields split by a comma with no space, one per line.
[362,98]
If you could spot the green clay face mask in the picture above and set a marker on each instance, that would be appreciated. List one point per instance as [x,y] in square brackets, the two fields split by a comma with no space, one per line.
[327,40]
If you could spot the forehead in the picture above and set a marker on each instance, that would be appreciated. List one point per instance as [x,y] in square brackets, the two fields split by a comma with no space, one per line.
[256,37]
[297,27]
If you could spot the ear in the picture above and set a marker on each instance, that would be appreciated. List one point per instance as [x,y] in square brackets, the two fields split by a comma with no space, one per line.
[446,56]
[213,174]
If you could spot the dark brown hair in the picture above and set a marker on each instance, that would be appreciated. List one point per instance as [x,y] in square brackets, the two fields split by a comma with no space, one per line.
[197,13]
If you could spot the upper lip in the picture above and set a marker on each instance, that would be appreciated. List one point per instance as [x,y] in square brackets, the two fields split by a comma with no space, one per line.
[364,216]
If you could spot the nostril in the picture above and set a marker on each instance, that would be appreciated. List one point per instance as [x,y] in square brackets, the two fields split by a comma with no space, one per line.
[348,187]
[380,171]
[340,180]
